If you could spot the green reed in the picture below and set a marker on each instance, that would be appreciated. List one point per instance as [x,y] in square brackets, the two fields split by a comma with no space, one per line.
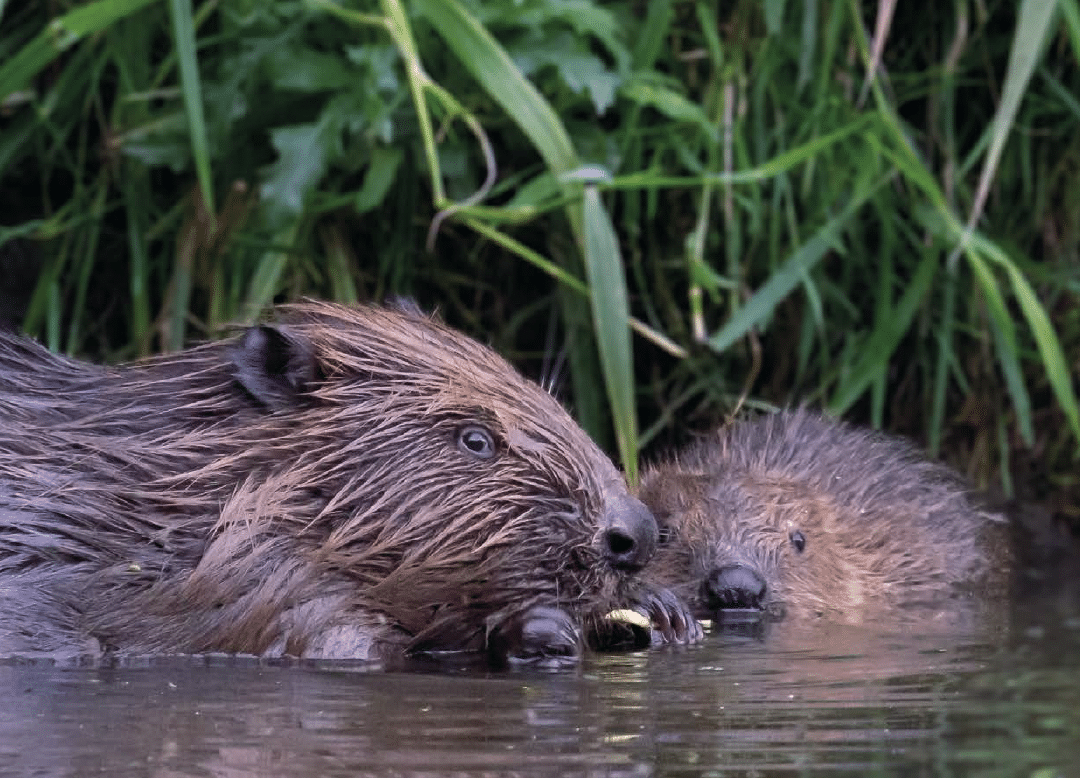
[680,208]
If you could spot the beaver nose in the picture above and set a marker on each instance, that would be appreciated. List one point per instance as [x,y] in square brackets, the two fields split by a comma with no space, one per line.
[628,538]
[734,586]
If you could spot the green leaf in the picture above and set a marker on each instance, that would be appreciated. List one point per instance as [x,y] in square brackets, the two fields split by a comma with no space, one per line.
[650,41]
[946,358]
[540,189]
[379,178]
[381,61]
[786,277]
[611,319]
[587,17]
[1005,346]
[1046,340]
[301,69]
[1053,358]
[884,339]
[1070,11]
[165,142]
[1033,29]
[492,67]
[61,34]
[579,70]
[303,151]
[650,92]
[266,279]
[774,16]
[184,38]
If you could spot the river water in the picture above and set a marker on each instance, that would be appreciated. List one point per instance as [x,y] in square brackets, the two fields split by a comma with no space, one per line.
[799,700]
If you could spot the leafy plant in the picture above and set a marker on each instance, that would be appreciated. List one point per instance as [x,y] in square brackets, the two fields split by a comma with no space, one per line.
[686,207]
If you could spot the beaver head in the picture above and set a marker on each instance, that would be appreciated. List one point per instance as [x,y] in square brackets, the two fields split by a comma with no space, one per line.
[346,482]
[798,514]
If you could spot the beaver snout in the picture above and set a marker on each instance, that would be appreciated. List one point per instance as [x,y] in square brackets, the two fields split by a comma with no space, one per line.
[629,536]
[734,586]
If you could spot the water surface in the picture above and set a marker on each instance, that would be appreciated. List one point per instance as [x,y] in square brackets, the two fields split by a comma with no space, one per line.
[796,701]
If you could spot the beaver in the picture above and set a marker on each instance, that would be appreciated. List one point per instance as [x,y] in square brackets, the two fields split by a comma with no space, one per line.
[346,482]
[799,514]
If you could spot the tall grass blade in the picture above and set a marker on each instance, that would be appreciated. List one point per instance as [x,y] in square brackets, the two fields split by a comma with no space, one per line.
[1005,345]
[187,59]
[1032,30]
[611,317]
[84,265]
[266,280]
[61,34]
[794,270]
[492,67]
[1046,340]
[883,341]
[651,41]
[945,350]
[1070,12]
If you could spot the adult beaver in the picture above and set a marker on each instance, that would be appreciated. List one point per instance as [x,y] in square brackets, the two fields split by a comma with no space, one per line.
[349,482]
[796,513]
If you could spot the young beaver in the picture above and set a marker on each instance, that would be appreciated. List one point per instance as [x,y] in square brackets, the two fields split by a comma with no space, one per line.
[798,514]
[351,482]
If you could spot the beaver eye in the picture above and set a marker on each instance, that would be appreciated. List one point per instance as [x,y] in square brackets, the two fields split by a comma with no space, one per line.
[476,441]
[798,540]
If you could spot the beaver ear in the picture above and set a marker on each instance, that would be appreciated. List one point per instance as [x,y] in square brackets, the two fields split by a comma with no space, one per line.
[274,365]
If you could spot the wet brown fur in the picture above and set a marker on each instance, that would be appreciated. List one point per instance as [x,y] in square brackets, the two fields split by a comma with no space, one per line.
[889,535]
[318,507]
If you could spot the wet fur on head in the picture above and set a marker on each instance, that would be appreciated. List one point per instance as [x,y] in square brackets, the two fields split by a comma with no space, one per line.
[838,522]
[305,488]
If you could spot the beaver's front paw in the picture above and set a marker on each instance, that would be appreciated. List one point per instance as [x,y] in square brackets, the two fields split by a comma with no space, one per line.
[652,617]
[539,636]
[671,618]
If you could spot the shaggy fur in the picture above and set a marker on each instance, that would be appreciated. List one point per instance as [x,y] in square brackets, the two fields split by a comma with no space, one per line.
[315,488]
[884,533]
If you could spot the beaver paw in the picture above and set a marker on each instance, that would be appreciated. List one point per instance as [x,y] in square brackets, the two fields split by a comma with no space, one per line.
[672,620]
[539,636]
[652,617]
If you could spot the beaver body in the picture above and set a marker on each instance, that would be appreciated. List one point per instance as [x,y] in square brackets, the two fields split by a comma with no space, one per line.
[349,482]
[795,513]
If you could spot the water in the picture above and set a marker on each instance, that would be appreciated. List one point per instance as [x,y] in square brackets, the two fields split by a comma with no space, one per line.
[798,701]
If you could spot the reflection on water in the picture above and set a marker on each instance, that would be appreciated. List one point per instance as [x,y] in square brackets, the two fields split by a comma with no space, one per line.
[796,701]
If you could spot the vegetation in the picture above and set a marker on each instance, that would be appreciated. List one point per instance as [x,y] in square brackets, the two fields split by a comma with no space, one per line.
[872,207]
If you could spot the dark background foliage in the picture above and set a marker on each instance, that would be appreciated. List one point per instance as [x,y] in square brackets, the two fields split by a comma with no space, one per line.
[870,207]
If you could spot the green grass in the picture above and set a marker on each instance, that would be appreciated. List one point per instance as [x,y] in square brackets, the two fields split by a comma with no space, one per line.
[671,209]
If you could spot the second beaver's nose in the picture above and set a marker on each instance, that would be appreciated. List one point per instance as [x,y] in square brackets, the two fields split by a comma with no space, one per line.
[734,586]
[628,538]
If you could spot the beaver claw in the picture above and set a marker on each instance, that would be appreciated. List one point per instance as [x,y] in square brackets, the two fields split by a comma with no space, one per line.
[664,619]
[672,620]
